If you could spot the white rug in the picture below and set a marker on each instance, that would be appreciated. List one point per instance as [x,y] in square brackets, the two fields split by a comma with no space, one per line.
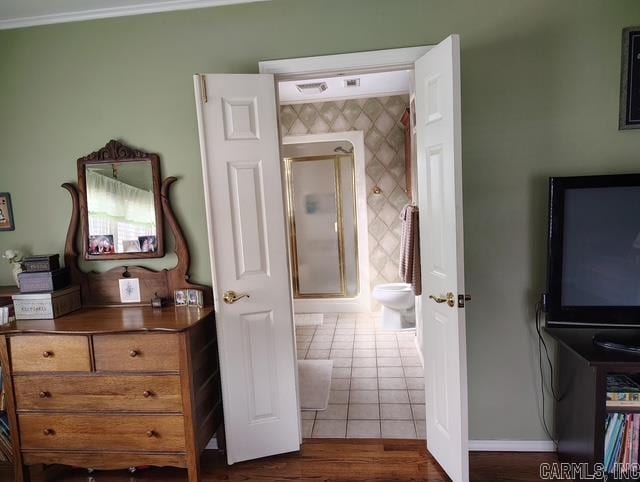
[308,319]
[315,382]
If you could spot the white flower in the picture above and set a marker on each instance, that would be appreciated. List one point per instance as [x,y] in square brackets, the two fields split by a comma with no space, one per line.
[12,255]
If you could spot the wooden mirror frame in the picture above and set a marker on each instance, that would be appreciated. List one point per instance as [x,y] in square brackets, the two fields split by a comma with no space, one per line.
[102,289]
[116,152]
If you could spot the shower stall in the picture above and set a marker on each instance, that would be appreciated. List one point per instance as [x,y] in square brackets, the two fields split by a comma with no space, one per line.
[322,211]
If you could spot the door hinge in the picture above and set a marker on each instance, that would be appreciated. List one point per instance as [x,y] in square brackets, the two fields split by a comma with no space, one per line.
[462,299]
[203,88]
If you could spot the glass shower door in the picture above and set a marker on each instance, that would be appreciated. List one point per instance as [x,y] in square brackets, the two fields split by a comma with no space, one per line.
[315,226]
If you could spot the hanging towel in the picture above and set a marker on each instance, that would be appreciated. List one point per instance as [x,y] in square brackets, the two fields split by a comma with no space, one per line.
[410,248]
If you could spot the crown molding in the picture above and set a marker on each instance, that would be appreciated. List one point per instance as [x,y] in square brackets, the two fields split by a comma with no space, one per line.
[110,12]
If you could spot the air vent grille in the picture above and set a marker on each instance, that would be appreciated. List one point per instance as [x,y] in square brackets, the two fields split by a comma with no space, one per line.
[312,88]
[352,83]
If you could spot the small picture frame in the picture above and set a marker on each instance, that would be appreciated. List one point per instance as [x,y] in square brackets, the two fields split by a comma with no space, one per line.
[131,246]
[195,298]
[148,244]
[181,297]
[630,79]
[6,213]
[129,290]
[101,244]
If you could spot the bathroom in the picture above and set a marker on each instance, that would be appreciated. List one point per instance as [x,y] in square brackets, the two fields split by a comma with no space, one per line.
[348,163]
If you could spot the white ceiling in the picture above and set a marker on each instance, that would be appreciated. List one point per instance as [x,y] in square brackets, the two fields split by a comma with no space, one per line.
[371,85]
[26,13]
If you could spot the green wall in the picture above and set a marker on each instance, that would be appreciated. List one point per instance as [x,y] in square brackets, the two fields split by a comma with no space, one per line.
[540,93]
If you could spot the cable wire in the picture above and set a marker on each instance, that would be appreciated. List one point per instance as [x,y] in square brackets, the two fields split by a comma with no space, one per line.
[542,343]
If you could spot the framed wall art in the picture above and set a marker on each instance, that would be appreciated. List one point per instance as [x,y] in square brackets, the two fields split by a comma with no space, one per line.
[630,79]
[6,213]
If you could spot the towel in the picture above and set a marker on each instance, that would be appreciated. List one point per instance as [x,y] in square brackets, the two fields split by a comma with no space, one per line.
[410,248]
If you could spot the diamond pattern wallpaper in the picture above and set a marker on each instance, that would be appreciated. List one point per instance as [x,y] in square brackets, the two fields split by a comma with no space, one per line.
[379,119]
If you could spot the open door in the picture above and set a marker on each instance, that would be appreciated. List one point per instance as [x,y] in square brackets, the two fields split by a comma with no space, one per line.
[240,151]
[439,151]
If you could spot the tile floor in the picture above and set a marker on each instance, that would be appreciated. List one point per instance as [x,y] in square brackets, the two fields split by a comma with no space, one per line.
[377,385]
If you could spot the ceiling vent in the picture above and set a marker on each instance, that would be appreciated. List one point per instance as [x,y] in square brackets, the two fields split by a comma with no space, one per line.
[352,83]
[312,88]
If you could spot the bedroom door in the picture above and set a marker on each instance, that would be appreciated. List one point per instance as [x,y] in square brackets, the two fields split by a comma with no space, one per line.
[439,156]
[240,152]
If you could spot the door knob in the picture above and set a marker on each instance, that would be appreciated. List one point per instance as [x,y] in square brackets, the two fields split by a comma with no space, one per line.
[449,299]
[231,297]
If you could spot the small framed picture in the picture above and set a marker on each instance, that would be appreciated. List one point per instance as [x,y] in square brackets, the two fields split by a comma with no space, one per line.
[148,244]
[196,298]
[129,290]
[630,79]
[101,244]
[6,213]
[181,297]
[131,246]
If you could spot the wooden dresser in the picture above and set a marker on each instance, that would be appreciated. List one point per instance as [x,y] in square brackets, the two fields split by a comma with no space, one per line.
[111,388]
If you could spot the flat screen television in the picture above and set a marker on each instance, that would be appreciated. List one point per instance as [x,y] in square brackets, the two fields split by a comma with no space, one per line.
[594,251]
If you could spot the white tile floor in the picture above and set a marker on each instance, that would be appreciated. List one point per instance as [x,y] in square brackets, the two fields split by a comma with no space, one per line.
[377,385]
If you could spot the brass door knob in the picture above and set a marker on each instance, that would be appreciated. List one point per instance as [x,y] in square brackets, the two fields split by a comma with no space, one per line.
[231,297]
[48,431]
[47,354]
[151,433]
[146,394]
[44,394]
[133,353]
[449,299]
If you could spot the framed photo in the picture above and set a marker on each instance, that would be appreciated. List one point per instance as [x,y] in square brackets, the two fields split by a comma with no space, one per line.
[630,79]
[131,246]
[6,213]
[181,297]
[129,290]
[148,244]
[101,244]
[195,298]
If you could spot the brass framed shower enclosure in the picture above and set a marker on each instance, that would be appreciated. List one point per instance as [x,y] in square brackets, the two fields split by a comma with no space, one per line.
[315,211]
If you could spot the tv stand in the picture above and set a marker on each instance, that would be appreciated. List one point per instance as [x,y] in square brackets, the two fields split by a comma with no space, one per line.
[617,341]
[581,384]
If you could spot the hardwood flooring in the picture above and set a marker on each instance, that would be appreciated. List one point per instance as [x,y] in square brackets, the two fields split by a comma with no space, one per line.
[336,460]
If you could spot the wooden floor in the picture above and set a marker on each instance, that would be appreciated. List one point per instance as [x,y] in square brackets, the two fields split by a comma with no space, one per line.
[338,460]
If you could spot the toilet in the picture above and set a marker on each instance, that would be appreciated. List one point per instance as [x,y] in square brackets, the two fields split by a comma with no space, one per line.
[398,306]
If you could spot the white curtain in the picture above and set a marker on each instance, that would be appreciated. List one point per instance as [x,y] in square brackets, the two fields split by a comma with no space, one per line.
[119,209]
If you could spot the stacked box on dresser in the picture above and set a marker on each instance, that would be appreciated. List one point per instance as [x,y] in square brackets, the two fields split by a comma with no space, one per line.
[44,290]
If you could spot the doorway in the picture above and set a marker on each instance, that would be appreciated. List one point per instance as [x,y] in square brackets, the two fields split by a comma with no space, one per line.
[239,139]
[376,388]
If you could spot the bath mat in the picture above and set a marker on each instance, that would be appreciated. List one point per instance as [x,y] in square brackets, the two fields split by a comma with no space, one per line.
[308,319]
[315,381]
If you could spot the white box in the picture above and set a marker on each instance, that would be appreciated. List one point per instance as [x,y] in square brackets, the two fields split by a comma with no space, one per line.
[39,306]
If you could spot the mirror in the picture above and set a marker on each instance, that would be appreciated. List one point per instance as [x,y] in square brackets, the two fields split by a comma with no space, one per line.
[120,204]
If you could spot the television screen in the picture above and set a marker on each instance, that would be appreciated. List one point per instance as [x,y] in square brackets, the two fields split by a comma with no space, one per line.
[594,250]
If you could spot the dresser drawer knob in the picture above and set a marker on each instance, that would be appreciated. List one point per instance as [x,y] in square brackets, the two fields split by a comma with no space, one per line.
[48,431]
[47,354]
[147,393]
[151,433]
[44,394]
[134,353]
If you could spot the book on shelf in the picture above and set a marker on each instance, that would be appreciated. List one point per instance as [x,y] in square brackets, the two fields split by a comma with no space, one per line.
[622,439]
[623,391]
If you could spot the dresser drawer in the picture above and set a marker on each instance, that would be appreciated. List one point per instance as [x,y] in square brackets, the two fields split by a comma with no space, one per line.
[46,353]
[152,352]
[145,433]
[87,393]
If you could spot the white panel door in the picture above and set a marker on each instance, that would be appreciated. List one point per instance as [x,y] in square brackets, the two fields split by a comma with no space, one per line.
[439,151]
[245,216]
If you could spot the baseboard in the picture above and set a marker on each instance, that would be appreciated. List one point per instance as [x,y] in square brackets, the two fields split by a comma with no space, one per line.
[511,446]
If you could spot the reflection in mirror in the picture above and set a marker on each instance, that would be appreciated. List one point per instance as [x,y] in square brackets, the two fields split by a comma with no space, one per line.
[121,208]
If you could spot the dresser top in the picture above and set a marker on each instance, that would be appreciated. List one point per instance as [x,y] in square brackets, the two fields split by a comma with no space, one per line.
[115,320]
